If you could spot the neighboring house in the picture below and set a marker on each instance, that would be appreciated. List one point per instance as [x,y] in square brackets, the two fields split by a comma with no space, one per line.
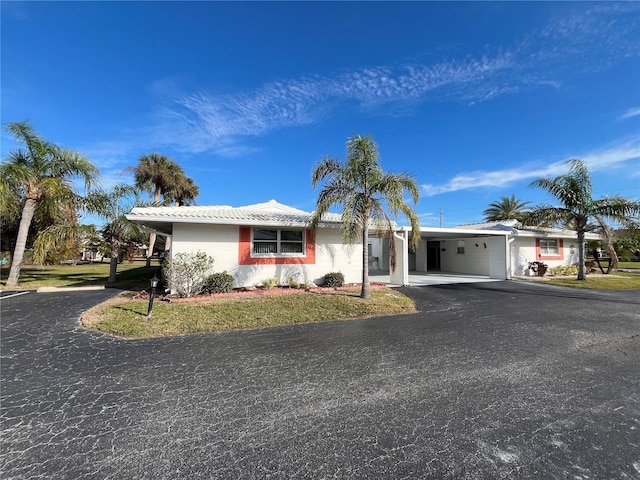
[551,246]
[256,242]
[259,241]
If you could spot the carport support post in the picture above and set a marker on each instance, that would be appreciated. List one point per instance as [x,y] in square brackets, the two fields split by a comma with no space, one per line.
[499,257]
[400,276]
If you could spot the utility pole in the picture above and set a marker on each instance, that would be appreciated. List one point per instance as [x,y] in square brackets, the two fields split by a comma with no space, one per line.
[441,217]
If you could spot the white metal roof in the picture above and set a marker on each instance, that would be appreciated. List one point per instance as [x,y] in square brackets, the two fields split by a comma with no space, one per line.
[518,230]
[269,213]
[272,213]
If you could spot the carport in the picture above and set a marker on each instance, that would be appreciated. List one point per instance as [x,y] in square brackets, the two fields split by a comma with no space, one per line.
[447,255]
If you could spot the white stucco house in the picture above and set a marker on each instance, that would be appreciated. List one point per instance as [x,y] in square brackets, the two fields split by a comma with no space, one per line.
[259,241]
[256,242]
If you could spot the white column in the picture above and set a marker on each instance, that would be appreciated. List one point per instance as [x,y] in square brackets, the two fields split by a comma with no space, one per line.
[499,257]
[401,274]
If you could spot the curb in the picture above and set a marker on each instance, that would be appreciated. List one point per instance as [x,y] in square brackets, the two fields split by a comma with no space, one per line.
[68,289]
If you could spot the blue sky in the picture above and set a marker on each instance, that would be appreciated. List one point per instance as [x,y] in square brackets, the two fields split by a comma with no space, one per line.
[474,99]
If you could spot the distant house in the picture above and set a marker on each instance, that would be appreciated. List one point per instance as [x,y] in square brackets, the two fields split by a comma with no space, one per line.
[256,242]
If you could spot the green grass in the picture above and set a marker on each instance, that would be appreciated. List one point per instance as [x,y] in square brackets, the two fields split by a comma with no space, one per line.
[605,264]
[134,275]
[127,318]
[628,265]
[616,281]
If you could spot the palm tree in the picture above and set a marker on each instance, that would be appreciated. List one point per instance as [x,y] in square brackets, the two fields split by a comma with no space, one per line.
[183,192]
[578,208]
[118,230]
[41,174]
[156,174]
[364,192]
[507,208]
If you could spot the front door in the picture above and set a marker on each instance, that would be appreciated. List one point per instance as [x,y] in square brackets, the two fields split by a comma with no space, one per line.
[433,255]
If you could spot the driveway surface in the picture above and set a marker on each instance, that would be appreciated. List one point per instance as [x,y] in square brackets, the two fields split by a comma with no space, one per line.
[489,380]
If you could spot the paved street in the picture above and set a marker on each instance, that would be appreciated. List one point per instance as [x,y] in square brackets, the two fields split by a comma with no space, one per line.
[489,380]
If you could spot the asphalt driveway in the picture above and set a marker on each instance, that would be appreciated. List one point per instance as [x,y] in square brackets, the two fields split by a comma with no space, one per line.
[489,380]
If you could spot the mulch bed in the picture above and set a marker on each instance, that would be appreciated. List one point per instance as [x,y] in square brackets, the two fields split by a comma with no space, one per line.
[251,292]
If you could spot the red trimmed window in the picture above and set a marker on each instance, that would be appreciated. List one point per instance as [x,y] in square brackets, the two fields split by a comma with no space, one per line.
[276,246]
[549,249]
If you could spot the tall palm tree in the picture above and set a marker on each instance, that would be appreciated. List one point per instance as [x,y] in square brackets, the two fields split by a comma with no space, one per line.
[507,208]
[184,191]
[63,235]
[156,174]
[40,173]
[578,208]
[365,193]
[112,205]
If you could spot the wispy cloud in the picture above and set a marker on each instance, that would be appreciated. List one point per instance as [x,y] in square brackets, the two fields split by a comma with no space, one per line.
[632,112]
[596,161]
[587,40]
[112,158]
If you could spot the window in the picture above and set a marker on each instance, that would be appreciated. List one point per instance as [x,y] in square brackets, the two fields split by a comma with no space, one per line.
[278,242]
[549,249]
[460,247]
[549,246]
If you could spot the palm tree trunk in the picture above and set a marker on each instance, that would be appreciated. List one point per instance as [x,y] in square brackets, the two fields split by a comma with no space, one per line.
[596,257]
[611,251]
[21,242]
[113,261]
[152,236]
[366,291]
[152,241]
[581,275]
[167,245]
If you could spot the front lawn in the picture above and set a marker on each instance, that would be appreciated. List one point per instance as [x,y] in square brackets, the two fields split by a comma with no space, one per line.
[614,281]
[134,275]
[127,317]
[635,265]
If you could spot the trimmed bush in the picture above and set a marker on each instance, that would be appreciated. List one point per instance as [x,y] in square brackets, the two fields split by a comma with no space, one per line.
[564,270]
[221,282]
[269,283]
[334,279]
[186,273]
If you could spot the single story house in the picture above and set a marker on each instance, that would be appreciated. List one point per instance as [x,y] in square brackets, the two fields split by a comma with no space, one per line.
[257,242]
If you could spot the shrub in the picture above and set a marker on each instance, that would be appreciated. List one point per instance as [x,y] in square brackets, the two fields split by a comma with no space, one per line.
[564,270]
[334,279]
[269,283]
[187,273]
[221,282]
[293,283]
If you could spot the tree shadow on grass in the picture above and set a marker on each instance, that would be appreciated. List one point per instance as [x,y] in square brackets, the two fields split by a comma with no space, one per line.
[130,310]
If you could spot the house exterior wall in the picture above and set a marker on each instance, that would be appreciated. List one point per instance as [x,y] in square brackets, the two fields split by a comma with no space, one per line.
[224,244]
[474,261]
[525,250]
